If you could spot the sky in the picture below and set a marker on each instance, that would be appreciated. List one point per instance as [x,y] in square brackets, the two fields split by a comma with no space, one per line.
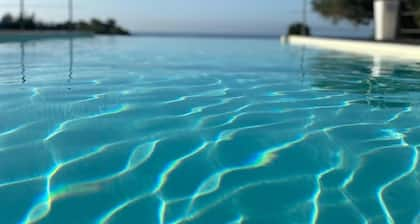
[265,17]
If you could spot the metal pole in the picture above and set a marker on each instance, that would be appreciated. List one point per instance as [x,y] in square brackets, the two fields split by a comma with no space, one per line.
[22,14]
[304,18]
[70,8]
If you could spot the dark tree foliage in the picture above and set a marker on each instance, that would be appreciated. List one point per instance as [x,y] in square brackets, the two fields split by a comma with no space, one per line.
[299,29]
[8,22]
[355,11]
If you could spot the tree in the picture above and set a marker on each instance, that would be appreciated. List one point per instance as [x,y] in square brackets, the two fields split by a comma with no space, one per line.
[355,11]
[7,21]
[111,23]
[299,29]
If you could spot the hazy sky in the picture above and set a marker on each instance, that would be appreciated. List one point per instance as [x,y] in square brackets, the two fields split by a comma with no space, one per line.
[205,16]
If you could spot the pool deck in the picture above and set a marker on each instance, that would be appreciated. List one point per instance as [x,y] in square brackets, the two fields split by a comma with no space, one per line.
[13,36]
[385,49]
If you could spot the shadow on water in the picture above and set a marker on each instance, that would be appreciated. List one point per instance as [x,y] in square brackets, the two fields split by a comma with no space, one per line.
[379,82]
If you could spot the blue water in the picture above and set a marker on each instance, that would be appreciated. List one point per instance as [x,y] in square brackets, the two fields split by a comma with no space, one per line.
[196,130]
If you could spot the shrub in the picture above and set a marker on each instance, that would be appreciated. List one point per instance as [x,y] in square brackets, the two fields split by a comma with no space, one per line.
[299,29]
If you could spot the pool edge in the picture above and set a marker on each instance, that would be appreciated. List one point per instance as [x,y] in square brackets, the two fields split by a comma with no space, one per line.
[390,50]
[16,36]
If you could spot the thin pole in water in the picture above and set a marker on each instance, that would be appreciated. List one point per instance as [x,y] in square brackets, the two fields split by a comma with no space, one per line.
[70,77]
[22,61]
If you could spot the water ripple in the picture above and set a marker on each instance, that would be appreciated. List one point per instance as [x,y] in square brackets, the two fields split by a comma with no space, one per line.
[214,135]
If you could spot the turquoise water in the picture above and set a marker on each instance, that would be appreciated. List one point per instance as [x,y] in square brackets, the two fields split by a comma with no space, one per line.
[184,130]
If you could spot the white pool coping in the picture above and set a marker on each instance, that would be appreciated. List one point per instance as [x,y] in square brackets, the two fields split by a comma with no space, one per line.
[389,50]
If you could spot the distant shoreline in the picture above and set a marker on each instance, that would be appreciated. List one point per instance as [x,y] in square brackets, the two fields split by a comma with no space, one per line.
[30,24]
[204,35]
[318,31]
[230,36]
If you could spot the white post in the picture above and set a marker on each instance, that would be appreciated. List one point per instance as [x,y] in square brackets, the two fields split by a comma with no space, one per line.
[386,19]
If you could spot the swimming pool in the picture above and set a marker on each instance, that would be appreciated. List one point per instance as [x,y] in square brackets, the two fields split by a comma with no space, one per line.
[205,130]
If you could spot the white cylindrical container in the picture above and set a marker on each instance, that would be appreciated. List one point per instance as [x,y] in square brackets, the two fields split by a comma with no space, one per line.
[386,19]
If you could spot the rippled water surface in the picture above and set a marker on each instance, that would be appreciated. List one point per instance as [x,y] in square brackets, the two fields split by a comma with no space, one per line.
[184,130]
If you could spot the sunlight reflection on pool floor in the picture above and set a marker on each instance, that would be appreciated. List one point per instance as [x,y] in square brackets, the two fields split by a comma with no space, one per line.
[173,130]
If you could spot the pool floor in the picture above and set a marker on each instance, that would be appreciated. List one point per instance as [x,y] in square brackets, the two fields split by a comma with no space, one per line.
[205,130]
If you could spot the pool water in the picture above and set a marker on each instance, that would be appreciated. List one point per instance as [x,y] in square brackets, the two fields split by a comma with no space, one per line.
[201,130]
